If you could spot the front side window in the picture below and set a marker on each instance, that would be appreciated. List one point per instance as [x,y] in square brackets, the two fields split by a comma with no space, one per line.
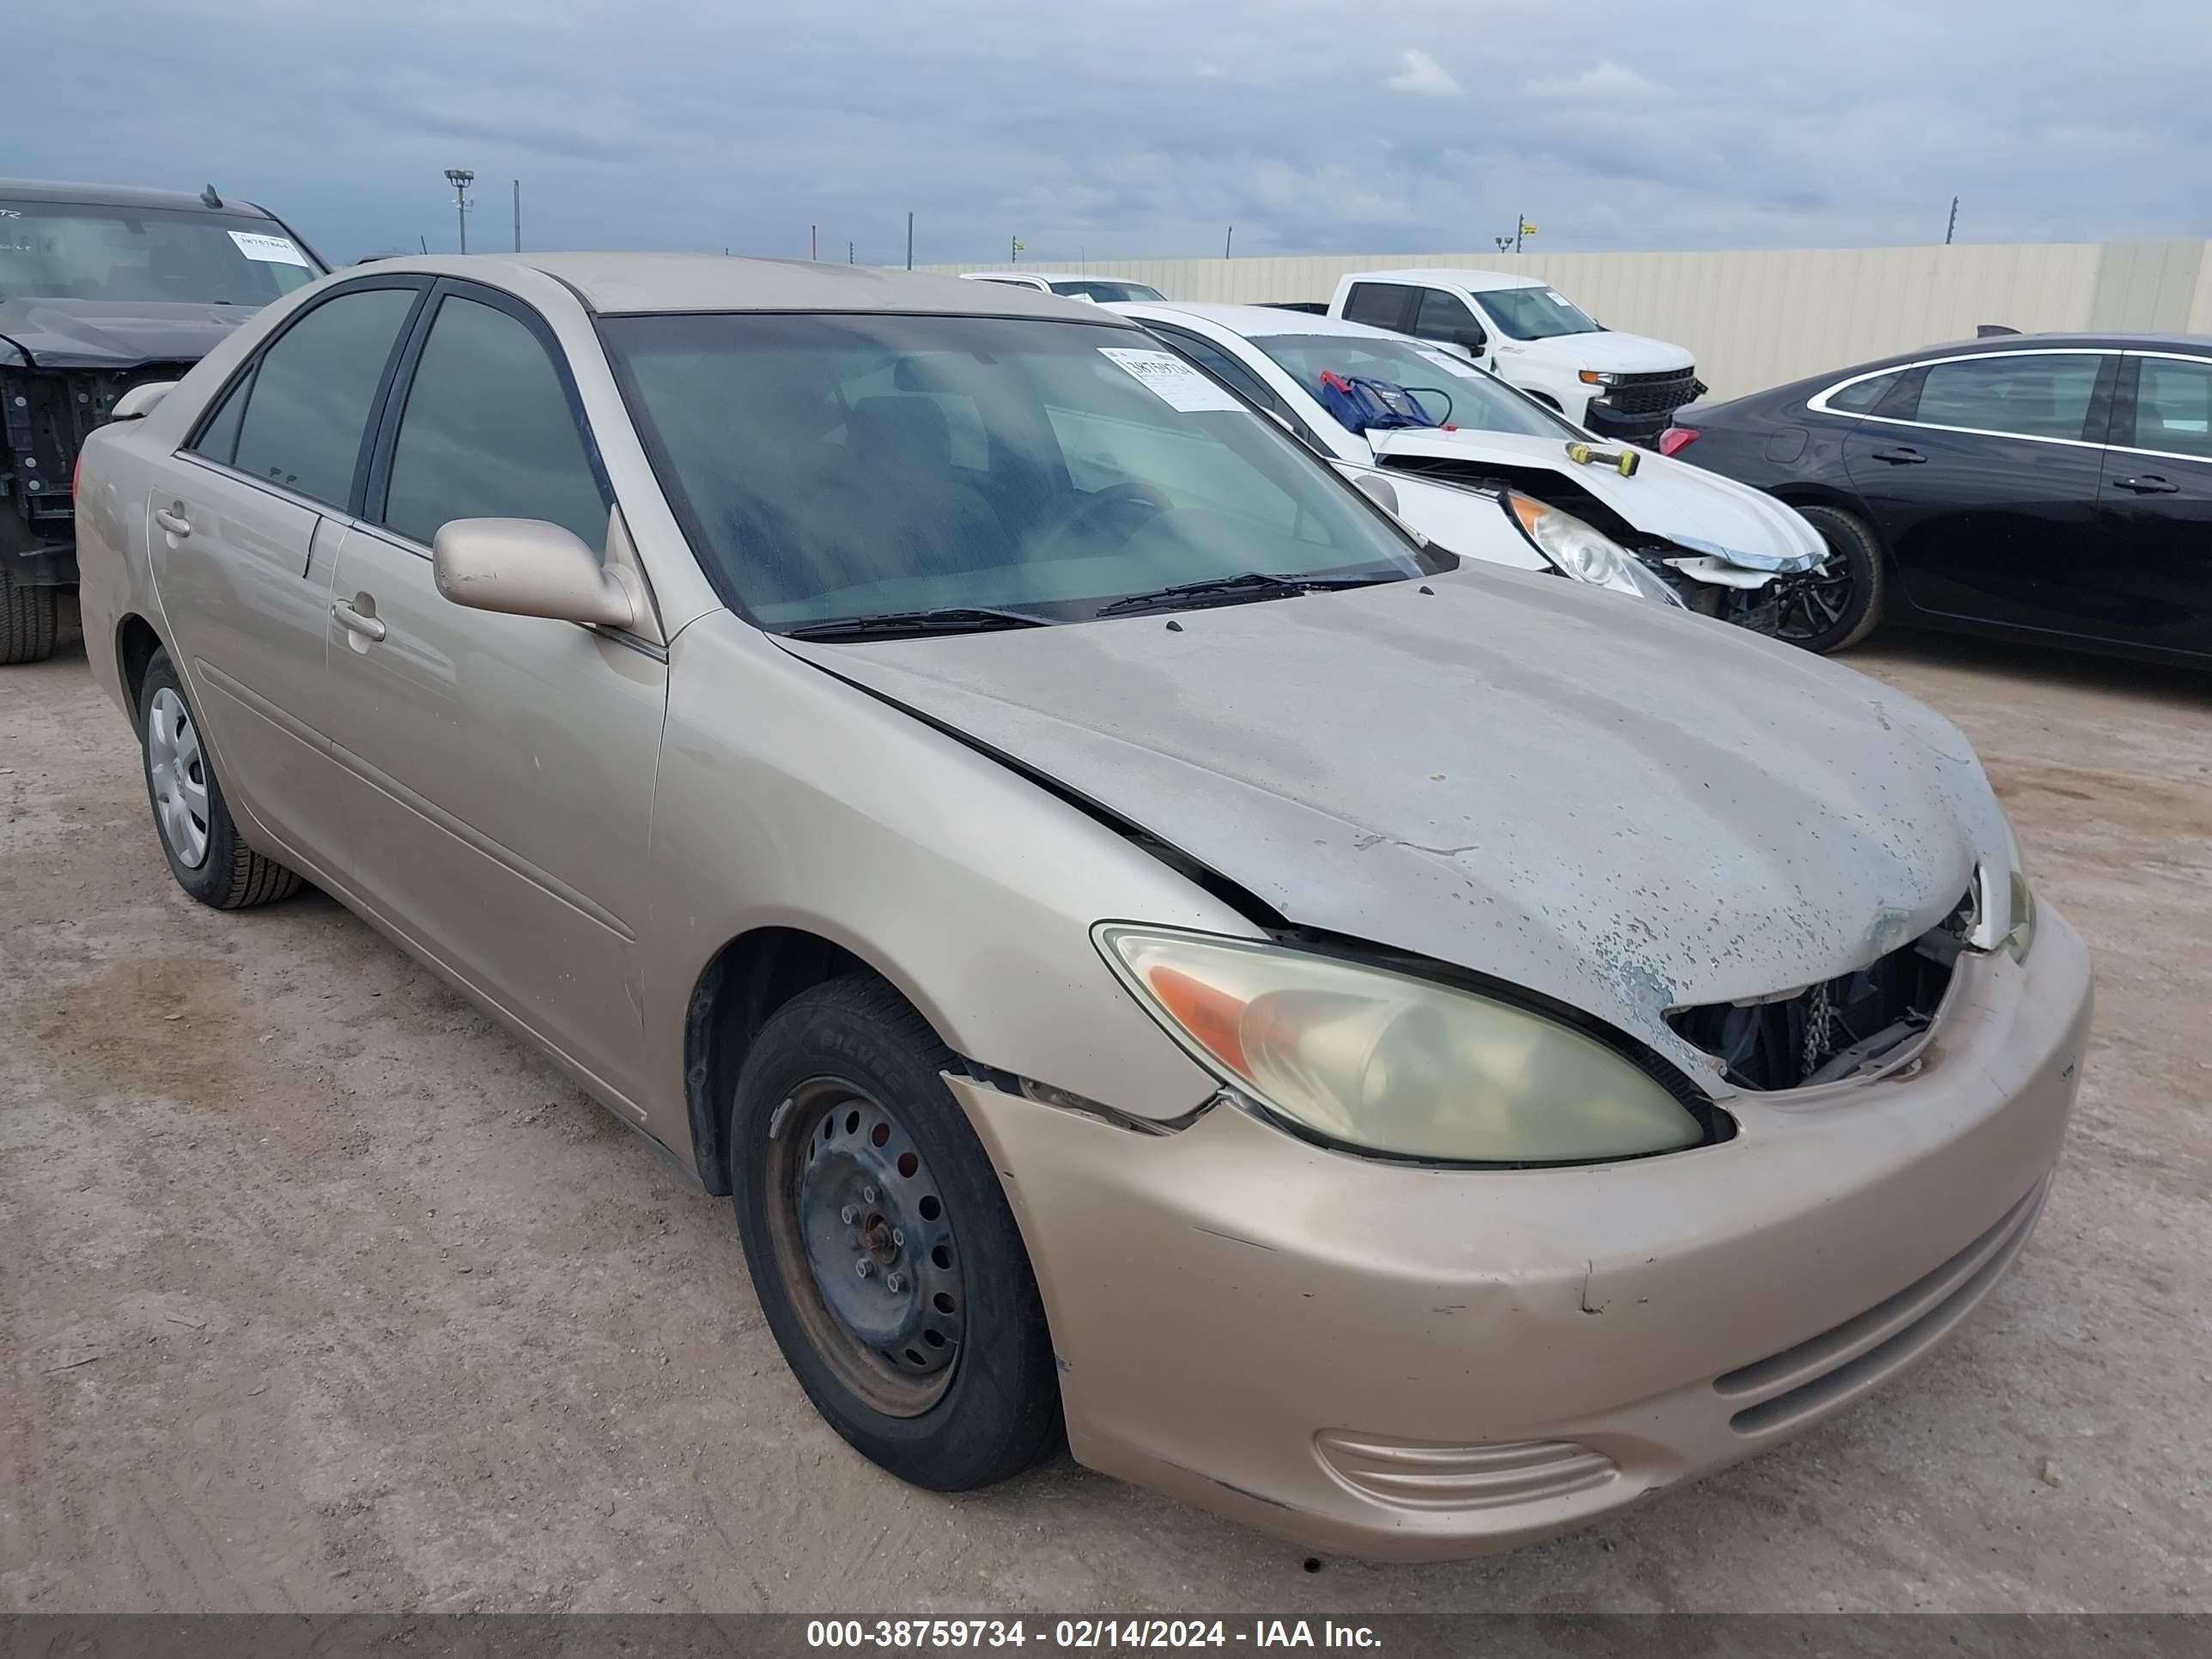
[1448,388]
[2173,406]
[69,250]
[1537,313]
[1445,316]
[309,402]
[1106,292]
[821,478]
[2022,394]
[487,432]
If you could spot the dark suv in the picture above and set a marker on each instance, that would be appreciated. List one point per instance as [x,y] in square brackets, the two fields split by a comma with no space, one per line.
[100,290]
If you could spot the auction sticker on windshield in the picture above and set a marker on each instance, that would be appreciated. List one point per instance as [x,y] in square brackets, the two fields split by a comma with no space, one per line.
[1173,380]
[270,250]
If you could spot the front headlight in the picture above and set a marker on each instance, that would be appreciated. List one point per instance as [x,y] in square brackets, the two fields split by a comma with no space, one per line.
[1584,553]
[2007,903]
[1391,1063]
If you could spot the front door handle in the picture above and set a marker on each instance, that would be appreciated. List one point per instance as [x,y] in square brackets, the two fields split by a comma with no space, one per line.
[350,619]
[173,521]
[2150,484]
[1900,455]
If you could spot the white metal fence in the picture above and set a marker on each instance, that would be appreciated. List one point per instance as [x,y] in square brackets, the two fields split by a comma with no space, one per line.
[1759,318]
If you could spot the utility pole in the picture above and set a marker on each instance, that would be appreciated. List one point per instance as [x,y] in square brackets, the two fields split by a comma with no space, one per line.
[1520,226]
[849,253]
[813,244]
[518,215]
[460,178]
[1952,229]
[1013,249]
[1228,239]
[909,238]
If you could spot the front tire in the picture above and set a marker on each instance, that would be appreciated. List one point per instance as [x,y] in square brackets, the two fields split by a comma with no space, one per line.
[207,855]
[1835,607]
[881,1246]
[27,620]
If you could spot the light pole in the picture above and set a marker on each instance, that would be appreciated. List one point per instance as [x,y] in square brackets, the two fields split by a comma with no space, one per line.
[460,178]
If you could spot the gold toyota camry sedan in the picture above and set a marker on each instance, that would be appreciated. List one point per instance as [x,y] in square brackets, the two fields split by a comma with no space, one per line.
[1409,1053]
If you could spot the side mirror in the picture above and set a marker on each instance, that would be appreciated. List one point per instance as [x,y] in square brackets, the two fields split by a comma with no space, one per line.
[141,400]
[1381,491]
[527,567]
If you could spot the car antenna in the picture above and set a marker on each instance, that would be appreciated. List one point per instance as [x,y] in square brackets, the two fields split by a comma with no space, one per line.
[208,197]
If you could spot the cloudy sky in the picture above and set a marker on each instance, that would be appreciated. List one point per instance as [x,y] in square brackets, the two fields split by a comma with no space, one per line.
[1106,128]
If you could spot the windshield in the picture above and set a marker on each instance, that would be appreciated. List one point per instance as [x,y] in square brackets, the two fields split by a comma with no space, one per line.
[1106,292]
[831,467]
[1448,388]
[1536,314]
[70,251]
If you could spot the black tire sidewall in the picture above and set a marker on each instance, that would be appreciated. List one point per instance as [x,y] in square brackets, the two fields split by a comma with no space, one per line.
[211,883]
[1001,1411]
[1849,540]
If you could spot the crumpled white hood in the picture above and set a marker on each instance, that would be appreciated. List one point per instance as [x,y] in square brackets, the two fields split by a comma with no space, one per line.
[1700,511]
[1620,806]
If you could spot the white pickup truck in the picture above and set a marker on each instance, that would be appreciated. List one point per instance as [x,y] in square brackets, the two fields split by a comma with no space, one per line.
[1617,385]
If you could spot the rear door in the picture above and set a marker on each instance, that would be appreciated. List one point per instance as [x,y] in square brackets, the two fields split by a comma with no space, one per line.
[499,768]
[1980,474]
[2154,513]
[247,517]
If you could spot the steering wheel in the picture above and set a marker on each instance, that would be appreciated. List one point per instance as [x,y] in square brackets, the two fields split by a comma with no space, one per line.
[1139,503]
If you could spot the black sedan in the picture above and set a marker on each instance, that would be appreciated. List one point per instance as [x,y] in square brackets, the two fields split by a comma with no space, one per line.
[2041,486]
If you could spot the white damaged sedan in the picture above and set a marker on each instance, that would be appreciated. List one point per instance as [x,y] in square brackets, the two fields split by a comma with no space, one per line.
[1645,524]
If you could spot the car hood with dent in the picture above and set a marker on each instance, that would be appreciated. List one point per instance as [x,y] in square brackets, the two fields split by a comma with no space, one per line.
[1700,511]
[1613,805]
[115,333]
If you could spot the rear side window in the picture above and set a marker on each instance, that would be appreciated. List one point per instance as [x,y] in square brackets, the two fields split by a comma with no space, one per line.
[310,400]
[2173,406]
[2025,393]
[1379,304]
[1861,396]
[487,432]
[219,438]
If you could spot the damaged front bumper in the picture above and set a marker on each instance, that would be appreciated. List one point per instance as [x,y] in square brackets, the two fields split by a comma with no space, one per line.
[1414,1363]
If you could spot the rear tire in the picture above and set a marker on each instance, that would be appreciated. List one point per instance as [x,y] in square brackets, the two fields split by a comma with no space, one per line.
[27,620]
[207,855]
[1834,608]
[881,1246]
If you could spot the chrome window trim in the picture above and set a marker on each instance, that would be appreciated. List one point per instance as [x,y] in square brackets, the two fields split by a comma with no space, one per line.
[291,496]
[1818,402]
[2201,362]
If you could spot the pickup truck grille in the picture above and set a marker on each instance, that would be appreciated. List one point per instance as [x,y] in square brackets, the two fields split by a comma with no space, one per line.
[1659,393]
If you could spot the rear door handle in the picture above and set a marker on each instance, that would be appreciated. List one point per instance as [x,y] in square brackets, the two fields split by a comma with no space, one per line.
[2150,484]
[173,521]
[1899,457]
[367,626]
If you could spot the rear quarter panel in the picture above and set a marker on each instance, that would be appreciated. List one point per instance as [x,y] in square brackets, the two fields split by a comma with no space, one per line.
[113,579]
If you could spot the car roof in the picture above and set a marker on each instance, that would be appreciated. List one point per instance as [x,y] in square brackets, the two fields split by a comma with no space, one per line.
[616,284]
[1252,322]
[1475,282]
[1004,276]
[1994,343]
[47,189]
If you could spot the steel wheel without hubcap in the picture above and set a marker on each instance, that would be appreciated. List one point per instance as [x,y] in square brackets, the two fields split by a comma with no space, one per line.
[178,771]
[865,1245]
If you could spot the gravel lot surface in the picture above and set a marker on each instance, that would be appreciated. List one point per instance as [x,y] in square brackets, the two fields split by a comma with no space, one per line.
[320,1292]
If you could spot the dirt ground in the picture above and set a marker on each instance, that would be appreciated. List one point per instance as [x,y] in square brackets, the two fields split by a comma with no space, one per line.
[318,1292]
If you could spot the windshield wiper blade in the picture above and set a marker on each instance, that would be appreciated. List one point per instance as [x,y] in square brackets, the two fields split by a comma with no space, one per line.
[1251,583]
[913,624]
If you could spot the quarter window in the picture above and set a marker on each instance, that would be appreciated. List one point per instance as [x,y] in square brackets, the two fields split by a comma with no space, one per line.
[2173,406]
[1861,396]
[487,432]
[219,438]
[311,394]
[2028,394]
[1379,304]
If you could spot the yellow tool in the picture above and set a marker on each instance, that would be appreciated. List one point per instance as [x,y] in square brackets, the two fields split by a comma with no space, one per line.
[1623,461]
